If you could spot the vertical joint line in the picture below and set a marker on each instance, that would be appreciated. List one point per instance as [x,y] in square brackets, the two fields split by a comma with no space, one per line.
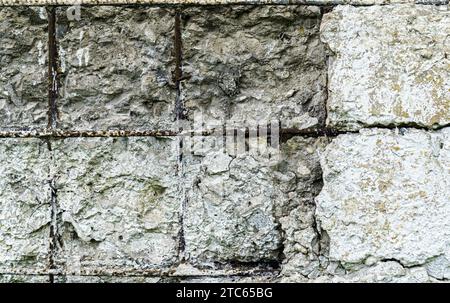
[55,221]
[53,86]
[179,115]
[52,69]
[53,228]
[178,73]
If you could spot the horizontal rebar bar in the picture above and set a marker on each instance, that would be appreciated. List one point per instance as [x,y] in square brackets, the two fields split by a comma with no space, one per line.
[85,133]
[43,134]
[134,272]
[305,132]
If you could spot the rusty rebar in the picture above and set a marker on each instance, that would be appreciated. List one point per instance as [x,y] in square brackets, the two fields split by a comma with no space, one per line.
[53,84]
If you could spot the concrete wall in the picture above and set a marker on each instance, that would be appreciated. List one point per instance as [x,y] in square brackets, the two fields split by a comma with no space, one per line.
[98,184]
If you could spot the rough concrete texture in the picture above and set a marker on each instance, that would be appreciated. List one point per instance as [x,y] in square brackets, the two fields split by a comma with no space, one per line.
[23,80]
[214,2]
[382,272]
[247,64]
[116,69]
[304,243]
[250,207]
[13,278]
[24,206]
[118,202]
[371,206]
[390,65]
[230,209]
[385,197]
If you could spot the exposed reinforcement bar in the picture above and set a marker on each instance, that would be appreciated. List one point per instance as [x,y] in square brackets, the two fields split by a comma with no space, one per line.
[61,134]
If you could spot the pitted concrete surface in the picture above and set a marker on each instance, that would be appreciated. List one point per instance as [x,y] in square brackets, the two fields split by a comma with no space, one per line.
[356,189]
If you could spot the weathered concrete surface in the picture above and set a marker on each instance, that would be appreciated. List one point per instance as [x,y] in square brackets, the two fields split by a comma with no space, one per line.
[136,210]
[13,278]
[254,64]
[116,65]
[230,207]
[240,207]
[390,65]
[24,206]
[119,204]
[303,243]
[23,69]
[214,2]
[382,272]
[386,197]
